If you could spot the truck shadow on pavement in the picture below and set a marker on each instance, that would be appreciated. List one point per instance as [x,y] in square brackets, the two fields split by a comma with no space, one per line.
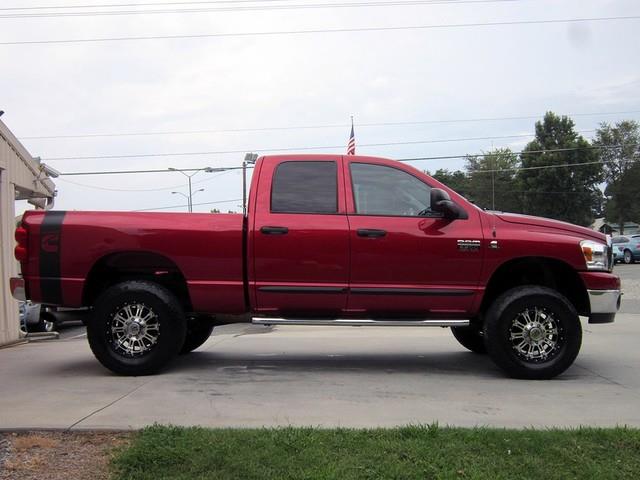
[199,363]
[436,363]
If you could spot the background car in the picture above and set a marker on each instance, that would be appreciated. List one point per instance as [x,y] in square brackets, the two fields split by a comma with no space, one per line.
[626,248]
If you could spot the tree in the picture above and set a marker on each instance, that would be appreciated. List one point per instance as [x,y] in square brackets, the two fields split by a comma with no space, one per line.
[493,180]
[619,158]
[564,191]
[456,180]
[623,196]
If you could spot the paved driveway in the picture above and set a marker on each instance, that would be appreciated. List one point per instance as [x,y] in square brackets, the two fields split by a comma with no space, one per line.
[253,376]
[338,376]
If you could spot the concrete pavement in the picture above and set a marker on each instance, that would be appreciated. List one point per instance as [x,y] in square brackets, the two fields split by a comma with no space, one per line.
[329,376]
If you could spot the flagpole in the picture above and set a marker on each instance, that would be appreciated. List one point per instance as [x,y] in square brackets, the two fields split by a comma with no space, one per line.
[351,145]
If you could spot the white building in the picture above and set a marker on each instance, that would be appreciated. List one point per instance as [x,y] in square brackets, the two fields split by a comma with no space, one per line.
[21,178]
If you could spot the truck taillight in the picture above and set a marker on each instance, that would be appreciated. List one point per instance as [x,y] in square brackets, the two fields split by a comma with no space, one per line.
[20,251]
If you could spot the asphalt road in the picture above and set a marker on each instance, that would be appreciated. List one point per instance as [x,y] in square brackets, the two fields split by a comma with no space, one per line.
[338,376]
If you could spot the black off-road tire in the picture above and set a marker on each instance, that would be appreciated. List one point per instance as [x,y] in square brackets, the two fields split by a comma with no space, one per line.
[470,337]
[198,331]
[170,321]
[504,312]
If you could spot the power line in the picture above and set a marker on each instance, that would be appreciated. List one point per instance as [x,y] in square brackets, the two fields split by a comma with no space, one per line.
[523,152]
[319,126]
[288,149]
[413,159]
[140,190]
[155,170]
[538,167]
[183,206]
[483,171]
[323,31]
[137,4]
[209,2]
[543,167]
[251,8]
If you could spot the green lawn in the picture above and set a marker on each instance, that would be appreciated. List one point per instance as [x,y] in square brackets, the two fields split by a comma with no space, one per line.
[416,452]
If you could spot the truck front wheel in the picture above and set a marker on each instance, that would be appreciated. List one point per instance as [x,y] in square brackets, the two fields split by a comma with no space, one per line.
[137,327]
[532,332]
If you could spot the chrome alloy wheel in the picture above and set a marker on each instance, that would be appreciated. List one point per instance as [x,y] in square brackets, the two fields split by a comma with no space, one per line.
[535,335]
[133,329]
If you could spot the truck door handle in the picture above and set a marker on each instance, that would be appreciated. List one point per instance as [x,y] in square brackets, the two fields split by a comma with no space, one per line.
[371,232]
[274,230]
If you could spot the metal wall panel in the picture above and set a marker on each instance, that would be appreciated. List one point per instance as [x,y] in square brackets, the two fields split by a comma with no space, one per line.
[18,172]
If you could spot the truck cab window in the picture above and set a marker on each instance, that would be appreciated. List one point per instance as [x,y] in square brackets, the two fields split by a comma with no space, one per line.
[381,190]
[305,187]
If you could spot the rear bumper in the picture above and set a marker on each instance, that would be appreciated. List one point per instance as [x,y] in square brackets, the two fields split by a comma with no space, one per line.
[604,305]
[18,292]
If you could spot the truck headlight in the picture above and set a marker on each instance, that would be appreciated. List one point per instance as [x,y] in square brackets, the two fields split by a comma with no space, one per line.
[595,255]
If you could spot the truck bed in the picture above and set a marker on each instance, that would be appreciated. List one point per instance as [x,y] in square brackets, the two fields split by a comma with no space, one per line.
[77,248]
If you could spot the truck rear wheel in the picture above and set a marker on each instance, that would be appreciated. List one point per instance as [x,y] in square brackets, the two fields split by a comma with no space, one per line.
[137,327]
[470,337]
[532,332]
[198,331]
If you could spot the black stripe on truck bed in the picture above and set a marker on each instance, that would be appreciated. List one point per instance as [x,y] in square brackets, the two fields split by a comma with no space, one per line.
[50,244]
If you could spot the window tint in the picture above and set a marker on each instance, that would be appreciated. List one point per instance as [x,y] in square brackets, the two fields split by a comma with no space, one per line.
[305,187]
[381,190]
[619,240]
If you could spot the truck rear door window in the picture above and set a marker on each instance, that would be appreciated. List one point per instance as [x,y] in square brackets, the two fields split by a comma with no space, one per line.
[305,187]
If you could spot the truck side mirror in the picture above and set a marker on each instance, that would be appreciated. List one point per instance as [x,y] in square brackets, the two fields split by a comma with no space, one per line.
[441,202]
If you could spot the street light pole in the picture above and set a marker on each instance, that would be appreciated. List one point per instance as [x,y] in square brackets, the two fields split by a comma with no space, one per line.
[190,197]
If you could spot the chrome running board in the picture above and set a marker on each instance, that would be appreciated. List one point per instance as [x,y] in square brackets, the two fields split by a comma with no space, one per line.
[359,322]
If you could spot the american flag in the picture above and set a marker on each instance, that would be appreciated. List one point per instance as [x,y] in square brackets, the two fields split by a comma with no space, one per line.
[351,146]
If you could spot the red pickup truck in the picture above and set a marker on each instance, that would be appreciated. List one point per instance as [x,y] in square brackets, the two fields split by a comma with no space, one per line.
[327,240]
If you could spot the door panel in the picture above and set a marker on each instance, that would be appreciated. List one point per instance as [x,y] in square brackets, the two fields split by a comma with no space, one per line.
[416,268]
[404,258]
[301,259]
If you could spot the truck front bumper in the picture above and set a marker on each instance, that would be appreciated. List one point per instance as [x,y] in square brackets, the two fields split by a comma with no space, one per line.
[604,305]
[604,292]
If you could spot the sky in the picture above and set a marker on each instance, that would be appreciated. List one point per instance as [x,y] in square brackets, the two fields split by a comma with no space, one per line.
[443,79]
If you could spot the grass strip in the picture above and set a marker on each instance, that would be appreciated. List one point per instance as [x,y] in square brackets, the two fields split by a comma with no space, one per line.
[413,452]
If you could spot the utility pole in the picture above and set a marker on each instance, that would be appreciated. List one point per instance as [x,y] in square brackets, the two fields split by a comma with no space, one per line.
[493,187]
[493,179]
[249,158]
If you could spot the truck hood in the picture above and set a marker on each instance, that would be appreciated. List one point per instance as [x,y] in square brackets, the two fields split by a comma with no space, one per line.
[552,224]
